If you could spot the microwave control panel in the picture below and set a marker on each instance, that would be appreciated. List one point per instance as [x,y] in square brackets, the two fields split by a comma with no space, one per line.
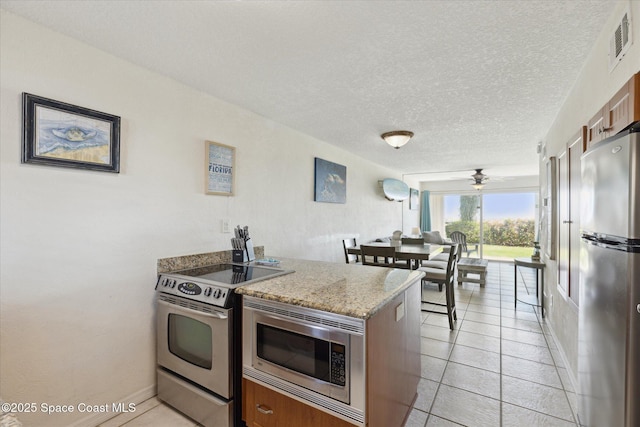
[338,364]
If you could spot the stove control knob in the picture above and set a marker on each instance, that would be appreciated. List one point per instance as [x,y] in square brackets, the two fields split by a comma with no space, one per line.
[216,293]
[173,283]
[207,292]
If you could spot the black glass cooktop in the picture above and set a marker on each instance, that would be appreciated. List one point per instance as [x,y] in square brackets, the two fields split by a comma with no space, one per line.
[232,274]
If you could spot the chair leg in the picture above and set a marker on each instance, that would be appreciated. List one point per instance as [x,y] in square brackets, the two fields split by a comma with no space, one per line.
[451,304]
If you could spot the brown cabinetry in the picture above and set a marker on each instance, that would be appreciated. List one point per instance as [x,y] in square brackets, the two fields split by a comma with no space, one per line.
[263,407]
[393,359]
[392,353]
[621,110]
[569,185]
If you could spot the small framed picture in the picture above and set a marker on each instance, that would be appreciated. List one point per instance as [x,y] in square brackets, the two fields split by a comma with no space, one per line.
[60,134]
[220,166]
[330,183]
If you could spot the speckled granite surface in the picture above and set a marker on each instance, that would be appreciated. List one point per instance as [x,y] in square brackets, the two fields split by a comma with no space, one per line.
[347,289]
[166,265]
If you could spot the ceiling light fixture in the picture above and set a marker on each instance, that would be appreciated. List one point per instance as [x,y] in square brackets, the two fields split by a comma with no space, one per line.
[397,138]
[478,179]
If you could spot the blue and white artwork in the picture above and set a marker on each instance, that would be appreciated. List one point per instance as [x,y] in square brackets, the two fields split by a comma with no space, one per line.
[63,135]
[220,168]
[330,182]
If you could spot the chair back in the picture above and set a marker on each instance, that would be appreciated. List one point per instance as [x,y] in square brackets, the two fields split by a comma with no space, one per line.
[382,256]
[460,238]
[346,244]
[451,262]
[413,241]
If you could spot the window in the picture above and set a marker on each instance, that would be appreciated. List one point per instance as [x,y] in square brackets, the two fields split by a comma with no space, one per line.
[498,226]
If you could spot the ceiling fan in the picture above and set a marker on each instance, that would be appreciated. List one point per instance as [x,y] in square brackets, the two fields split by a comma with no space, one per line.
[479,179]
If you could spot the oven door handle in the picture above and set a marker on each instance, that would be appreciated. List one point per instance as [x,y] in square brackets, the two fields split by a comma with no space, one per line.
[214,314]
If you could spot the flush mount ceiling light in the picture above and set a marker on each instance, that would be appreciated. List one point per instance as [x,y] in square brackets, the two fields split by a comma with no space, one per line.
[397,138]
[478,179]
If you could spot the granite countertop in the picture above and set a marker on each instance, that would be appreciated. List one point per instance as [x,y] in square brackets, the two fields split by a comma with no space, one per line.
[347,289]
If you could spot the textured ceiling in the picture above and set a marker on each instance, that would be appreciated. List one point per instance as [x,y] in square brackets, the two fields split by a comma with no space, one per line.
[478,82]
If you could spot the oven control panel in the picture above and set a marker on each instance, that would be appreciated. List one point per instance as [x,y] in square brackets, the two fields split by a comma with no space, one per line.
[208,294]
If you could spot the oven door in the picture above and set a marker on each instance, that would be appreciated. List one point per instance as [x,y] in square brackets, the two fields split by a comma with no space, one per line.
[195,343]
[312,356]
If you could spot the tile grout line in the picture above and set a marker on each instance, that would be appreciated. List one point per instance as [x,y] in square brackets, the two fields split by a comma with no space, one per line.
[555,365]
[435,395]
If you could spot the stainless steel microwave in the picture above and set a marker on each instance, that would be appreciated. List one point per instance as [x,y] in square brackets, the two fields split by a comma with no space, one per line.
[314,355]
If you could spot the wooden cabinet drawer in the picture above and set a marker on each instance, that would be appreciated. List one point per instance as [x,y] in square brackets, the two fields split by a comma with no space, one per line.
[263,407]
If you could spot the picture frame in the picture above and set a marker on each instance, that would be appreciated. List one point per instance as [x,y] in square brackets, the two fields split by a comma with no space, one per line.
[59,134]
[330,182]
[414,199]
[220,162]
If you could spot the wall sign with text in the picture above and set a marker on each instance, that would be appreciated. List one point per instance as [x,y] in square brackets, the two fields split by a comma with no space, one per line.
[220,168]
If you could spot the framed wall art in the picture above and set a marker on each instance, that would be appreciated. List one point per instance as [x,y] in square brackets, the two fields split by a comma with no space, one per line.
[60,134]
[220,166]
[330,184]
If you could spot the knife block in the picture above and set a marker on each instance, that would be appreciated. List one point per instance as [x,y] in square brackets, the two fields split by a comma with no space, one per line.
[239,255]
[248,245]
[244,255]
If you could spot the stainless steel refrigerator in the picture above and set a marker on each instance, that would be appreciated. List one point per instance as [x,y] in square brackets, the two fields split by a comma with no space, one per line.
[609,328]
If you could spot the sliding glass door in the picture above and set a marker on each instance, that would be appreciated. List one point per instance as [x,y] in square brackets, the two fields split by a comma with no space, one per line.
[463,214]
[498,226]
[509,225]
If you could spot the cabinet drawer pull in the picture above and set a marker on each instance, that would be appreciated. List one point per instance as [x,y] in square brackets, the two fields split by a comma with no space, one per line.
[602,130]
[266,410]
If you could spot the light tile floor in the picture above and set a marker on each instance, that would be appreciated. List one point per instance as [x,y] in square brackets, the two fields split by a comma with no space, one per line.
[499,367]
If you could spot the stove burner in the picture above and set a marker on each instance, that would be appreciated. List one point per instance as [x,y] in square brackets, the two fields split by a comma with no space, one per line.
[210,284]
[231,274]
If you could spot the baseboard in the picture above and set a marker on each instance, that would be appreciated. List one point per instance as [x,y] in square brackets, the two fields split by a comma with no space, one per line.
[574,382]
[135,398]
[572,379]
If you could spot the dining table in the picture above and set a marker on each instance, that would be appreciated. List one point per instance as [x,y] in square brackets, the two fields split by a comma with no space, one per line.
[413,252]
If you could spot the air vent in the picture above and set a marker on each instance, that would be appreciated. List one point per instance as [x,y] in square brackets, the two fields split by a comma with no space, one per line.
[620,41]
[309,315]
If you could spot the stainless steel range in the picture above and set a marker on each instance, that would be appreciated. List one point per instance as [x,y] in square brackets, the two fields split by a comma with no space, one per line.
[199,340]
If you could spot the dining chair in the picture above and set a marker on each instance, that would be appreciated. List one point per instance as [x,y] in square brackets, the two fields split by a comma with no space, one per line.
[440,260]
[443,278]
[406,261]
[381,256]
[350,258]
[460,238]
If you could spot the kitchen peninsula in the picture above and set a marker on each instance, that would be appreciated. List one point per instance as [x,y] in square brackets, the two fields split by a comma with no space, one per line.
[383,355]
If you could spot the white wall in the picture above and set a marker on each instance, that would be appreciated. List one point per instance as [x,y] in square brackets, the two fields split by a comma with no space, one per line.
[594,87]
[79,248]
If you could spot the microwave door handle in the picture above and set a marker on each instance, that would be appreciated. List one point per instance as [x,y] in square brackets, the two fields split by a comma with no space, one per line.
[215,315]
